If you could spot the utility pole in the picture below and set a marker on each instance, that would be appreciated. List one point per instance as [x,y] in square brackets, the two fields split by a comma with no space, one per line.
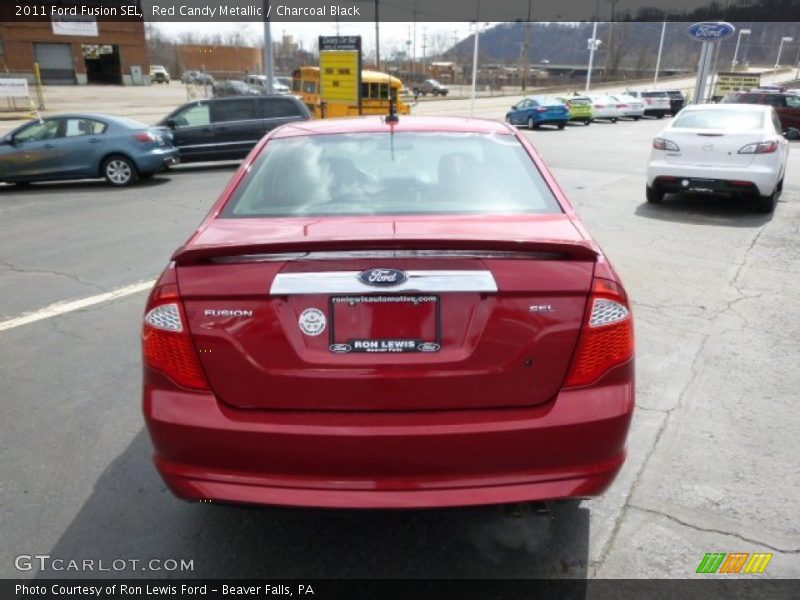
[526,50]
[269,70]
[414,43]
[610,53]
[660,50]
[424,50]
[377,38]
[475,59]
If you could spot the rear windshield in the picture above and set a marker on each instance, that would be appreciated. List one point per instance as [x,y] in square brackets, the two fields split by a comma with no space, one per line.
[392,174]
[655,95]
[720,119]
[580,101]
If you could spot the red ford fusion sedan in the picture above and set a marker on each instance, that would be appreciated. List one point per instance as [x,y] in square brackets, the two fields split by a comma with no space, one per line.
[381,314]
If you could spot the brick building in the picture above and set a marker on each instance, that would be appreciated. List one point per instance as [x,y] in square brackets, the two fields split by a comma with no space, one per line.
[222,62]
[75,51]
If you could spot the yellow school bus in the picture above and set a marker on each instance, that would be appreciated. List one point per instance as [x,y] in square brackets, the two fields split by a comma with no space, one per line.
[376,89]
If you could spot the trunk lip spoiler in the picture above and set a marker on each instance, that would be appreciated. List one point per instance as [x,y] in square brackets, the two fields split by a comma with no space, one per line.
[193,254]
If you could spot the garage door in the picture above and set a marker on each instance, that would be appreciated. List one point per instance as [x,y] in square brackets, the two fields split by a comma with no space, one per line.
[55,62]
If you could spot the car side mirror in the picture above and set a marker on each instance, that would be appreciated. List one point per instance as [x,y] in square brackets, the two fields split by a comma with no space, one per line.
[513,107]
[171,123]
[8,141]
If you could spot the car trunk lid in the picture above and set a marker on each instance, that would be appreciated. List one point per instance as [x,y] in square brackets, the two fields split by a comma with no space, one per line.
[710,147]
[283,314]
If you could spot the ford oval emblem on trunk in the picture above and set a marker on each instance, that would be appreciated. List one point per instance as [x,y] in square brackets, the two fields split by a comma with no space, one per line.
[382,277]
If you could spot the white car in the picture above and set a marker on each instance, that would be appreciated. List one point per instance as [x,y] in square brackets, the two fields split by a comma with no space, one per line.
[632,108]
[605,107]
[721,149]
[656,102]
[260,82]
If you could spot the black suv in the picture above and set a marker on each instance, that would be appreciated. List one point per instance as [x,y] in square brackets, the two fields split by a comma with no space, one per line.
[228,128]
[676,101]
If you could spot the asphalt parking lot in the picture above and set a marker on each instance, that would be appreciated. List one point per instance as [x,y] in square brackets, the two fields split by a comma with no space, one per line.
[712,463]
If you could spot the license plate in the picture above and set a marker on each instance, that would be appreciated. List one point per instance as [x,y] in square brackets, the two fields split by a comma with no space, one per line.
[385,324]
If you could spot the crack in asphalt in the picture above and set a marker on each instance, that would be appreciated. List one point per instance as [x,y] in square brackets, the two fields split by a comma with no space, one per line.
[712,530]
[29,271]
[711,332]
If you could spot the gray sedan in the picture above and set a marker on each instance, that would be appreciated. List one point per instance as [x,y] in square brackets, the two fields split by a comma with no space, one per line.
[83,146]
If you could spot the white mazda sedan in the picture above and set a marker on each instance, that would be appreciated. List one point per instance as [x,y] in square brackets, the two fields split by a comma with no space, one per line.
[733,149]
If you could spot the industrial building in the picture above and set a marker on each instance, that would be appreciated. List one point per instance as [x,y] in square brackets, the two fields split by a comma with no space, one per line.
[73,51]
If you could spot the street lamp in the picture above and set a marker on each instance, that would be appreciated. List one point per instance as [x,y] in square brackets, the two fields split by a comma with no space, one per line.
[780,49]
[660,51]
[475,67]
[592,44]
[735,62]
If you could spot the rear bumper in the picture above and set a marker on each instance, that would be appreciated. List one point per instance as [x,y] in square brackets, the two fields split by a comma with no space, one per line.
[762,179]
[572,447]
[157,159]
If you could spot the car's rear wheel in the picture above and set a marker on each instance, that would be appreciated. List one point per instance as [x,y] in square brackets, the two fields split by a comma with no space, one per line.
[119,170]
[562,125]
[766,204]
[614,120]
[636,118]
[660,115]
[655,195]
[531,123]
[587,122]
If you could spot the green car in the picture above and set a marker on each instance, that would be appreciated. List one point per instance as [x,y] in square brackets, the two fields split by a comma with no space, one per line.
[580,108]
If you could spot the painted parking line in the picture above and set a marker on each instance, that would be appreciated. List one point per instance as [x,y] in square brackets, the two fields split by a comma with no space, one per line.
[60,308]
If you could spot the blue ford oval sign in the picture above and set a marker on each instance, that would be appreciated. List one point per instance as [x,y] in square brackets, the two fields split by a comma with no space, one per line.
[710,31]
[382,277]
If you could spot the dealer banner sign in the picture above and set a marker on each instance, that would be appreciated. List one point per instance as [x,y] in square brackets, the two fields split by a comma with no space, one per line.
[14,88]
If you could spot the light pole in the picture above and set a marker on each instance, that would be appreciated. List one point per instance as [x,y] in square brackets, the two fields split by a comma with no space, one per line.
[475,66]
[593,44]
[660,50]
[269,68]
[735,62]
[785,38]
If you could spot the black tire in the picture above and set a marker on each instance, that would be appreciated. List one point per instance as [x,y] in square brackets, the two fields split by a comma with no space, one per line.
[562,125]
[21,184]
[119,170]
[660,115]
[766,204]
[587,122]
[614,120]
[655,195]
[636,118]
[531,124]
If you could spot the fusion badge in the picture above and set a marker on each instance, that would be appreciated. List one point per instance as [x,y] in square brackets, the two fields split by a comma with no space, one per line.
[312,321]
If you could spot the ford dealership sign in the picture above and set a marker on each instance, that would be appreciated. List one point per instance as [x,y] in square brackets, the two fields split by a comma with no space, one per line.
[710,31]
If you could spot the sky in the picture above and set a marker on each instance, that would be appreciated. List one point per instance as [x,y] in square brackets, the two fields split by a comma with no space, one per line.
[392,35]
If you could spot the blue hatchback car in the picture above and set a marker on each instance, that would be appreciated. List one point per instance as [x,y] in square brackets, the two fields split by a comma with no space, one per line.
[84,146]
[538,110]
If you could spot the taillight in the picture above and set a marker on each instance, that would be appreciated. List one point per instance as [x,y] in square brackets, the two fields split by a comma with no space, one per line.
[599,105]
[166,343]
[622,106]
[664,144]
[606,339]
[145,136]
[541,109]
[760,148]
